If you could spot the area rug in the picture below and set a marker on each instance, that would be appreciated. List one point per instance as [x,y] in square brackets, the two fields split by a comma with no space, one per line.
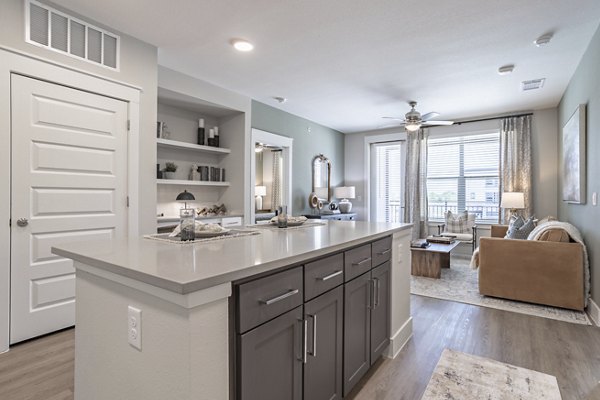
[464,376]
[460,283]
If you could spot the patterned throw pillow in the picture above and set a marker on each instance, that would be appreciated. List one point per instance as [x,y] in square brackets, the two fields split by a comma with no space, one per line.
[457,223]
[520,229]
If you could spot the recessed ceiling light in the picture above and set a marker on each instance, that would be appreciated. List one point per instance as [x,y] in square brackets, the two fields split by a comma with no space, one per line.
[280,99]
[506,69]
[543,40]
[242,45]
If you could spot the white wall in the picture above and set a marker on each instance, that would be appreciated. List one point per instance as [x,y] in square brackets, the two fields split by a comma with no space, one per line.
[544,154]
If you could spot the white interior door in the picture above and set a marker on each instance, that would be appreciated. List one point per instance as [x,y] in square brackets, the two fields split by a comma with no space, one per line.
[68,183]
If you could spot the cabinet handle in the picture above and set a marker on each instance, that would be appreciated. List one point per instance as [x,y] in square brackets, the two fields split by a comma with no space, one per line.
[280,297]
[305,342]
[332,275]
[314,333]
[383,253]
[371,304]
[376,286]
[363,261]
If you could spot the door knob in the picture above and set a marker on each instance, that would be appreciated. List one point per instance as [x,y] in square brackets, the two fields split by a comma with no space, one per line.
[22,222]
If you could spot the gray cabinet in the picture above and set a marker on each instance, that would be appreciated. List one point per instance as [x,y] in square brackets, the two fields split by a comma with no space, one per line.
[270,359]
[357,330]
[380,311]
[323,368]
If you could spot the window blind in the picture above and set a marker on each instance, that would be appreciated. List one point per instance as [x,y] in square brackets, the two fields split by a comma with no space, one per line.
[388,182]
[462,174]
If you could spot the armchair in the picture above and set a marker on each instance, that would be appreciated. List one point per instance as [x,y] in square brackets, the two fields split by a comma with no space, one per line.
[462,236]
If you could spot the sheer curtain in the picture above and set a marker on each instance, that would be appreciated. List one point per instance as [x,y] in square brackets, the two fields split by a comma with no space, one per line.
[515,160]
[415,193]
[277,189]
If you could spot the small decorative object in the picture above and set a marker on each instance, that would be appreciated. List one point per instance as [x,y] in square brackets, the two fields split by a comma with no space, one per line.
[223,175]
[259,192]
[513,200]
[573,155]
[201,132]
[344,193]
[166,133]
[170,169]
[194,174]
[159,174]
[313,200]
[333,206]
[216,136]
[282,217]
[211,137]
[187,224]
[159,129]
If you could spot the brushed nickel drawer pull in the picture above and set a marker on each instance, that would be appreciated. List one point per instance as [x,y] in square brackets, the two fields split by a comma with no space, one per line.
[280,297]
[314,333]
[363,261]
[332,275]
[383,253]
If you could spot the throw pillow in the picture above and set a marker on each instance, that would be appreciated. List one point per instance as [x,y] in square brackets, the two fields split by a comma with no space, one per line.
[457,223]
[555,235]
[520,229]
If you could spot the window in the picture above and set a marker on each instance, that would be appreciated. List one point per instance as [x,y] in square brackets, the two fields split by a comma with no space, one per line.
[462,174]
[386,182]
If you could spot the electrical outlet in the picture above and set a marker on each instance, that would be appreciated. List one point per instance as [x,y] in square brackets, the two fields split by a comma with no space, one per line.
[134,327]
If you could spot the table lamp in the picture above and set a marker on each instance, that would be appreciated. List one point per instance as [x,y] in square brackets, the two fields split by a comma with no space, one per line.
[259,192]
[344,193]
[185,196]
[513,200]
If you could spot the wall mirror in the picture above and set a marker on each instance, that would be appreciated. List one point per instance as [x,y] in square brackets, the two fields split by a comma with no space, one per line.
[321,177]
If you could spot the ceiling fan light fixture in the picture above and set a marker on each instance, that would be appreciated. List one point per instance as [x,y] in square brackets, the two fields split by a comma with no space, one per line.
[412,126]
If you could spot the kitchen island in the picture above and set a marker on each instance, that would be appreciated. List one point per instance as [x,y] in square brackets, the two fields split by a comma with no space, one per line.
[184,342]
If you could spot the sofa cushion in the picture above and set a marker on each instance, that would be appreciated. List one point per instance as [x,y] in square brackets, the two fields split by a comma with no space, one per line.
[520,229]
[555,235]
[458,223]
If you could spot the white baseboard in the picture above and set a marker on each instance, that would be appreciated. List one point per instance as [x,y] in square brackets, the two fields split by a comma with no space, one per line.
[400,338]
[594,312]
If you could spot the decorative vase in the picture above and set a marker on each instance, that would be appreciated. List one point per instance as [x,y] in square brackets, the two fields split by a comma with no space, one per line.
[168,175]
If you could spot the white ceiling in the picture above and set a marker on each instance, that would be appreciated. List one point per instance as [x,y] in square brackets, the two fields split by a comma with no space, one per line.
[346,63]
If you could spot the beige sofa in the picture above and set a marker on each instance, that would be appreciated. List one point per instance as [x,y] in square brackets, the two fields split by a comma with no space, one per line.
[542,272]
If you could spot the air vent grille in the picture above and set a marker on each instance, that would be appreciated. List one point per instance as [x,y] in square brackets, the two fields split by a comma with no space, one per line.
[532,84]
[54,30]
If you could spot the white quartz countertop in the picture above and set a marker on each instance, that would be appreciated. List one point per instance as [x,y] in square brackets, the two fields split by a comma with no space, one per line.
[191,267]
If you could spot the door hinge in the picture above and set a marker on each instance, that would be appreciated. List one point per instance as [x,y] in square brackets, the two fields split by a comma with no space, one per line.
[9,222]
[127,201]
[128,125]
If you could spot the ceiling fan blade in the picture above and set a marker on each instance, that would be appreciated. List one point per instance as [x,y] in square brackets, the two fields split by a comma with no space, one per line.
[439,123]
[430,115]
[394,118]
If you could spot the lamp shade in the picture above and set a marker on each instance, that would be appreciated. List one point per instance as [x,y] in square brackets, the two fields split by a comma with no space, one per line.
[514,200]
[185,196]
[260,190]
[344,192]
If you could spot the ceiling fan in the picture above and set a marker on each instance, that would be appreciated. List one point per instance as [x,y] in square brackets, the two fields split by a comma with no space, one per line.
[413,120]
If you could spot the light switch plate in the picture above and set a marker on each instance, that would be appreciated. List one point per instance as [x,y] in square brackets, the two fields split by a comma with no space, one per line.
[594,199]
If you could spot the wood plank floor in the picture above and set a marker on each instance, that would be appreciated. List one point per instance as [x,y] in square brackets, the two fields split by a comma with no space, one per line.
[568,351]
[42,369]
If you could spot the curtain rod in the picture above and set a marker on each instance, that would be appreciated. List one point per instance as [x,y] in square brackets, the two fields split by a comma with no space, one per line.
[492,118]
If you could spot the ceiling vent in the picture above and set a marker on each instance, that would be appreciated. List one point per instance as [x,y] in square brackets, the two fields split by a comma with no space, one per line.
[54,30]
[532,84]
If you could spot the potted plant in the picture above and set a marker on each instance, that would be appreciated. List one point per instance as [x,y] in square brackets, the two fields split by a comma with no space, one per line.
[170,169]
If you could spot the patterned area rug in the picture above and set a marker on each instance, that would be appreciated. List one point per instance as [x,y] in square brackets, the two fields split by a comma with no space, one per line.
[460,283]
[464,376]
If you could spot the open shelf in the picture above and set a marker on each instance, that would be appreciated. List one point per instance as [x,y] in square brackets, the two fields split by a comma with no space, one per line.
[175,144]
[183,182]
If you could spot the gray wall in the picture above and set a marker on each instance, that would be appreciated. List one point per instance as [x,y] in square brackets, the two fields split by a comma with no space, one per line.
[306,145]
[584,88]
[138,66]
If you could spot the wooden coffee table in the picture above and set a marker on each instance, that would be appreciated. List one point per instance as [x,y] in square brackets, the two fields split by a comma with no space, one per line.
[429,262]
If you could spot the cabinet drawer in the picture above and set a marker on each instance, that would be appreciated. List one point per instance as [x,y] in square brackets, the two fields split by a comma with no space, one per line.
[323,275]
[268,297]
[382,250]
[357,261]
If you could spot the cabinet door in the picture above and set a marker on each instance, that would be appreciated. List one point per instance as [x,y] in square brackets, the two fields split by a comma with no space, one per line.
[323,368]
[357,330]
[380,313]
[270,359]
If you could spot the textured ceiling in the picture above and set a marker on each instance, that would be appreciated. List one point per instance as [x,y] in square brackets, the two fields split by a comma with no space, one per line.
[346,63]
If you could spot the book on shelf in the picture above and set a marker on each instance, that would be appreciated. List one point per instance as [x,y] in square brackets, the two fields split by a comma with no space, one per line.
[419,244]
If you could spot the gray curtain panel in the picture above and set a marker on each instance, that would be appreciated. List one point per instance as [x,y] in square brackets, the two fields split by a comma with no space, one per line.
[276,192]
[415,191]
[515,161]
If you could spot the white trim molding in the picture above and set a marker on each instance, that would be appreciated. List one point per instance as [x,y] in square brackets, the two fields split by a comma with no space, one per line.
[594,312]
[400,339]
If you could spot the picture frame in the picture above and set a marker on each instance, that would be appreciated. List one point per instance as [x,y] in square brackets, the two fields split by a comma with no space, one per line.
[574,157]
